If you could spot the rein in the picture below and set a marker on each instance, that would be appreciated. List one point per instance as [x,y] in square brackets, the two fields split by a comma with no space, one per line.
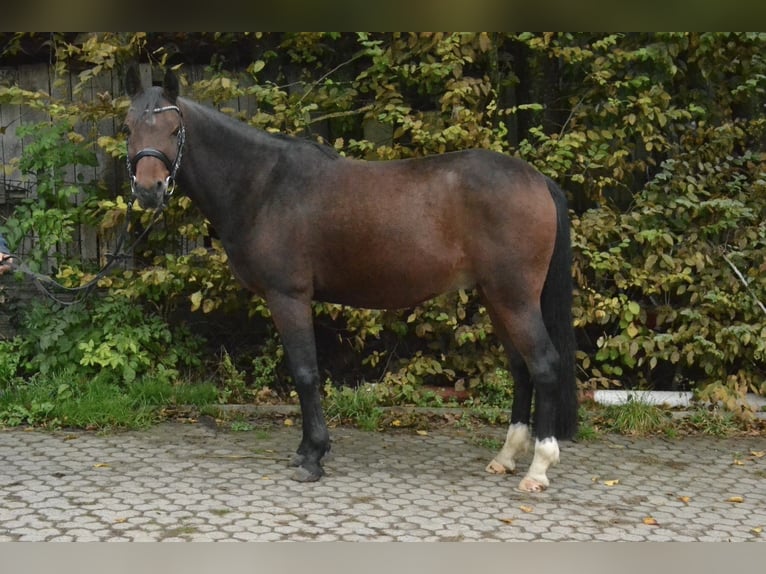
[48,286]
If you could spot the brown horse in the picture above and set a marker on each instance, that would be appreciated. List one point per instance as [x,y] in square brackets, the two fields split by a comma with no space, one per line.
[301,223]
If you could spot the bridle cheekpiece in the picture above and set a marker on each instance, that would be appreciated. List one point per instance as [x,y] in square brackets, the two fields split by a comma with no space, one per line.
[172,166]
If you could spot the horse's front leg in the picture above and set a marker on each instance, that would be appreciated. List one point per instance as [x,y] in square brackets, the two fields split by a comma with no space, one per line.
[293,319]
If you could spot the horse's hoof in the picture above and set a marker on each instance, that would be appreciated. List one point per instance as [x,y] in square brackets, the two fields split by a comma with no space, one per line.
[529,484]
[495,467]
[298,459]
[302,474]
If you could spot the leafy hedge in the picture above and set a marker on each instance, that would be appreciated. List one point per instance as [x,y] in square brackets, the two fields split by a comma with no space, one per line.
[657,138]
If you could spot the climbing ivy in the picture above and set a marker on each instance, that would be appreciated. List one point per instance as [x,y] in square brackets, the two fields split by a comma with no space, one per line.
[658,139]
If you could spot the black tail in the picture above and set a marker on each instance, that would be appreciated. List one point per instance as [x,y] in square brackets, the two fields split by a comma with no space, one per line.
[557,315]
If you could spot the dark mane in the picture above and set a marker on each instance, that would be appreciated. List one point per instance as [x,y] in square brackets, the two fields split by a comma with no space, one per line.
[328,150]
[247,130]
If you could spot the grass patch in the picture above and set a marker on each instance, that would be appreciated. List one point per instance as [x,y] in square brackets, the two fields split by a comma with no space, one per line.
[713,421]
[195,394]
[491,414]
[636,417]
[586,429]
[59,400]
[102,405]
[240,426]
[186,530]
[490,443]
[262,434]
[358,406]
[64,399]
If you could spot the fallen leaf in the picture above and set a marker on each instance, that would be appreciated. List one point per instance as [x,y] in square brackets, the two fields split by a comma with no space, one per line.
[422,433]
[614,482]
[101,465]
[758,453]
[396,423]
[525,508]
[736,499]
[684,499]
[120,520]
[649,521]
[738,462]
[756,530]
[506,520]
[289,422]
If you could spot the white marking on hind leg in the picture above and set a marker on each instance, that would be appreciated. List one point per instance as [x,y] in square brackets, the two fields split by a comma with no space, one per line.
[516,442]
[546,455]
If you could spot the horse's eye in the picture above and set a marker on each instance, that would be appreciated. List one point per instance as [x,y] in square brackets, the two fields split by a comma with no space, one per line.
[125,130]
[175,131]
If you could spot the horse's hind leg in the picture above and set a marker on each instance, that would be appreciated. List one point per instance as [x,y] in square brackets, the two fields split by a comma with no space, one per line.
[522,330]
[517,438]
[293,320]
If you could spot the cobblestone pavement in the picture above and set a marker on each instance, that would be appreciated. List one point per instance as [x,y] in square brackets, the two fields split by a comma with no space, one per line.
[183,482]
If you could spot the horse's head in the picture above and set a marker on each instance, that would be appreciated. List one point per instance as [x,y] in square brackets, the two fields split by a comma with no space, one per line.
[155,138]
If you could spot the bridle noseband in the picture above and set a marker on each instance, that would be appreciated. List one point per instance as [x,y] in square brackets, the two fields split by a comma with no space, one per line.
[172,166]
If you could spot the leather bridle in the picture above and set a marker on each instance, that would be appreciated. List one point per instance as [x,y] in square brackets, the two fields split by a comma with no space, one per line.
[172,166]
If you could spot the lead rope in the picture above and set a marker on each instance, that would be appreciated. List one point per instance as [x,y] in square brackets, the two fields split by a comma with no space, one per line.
[48,286]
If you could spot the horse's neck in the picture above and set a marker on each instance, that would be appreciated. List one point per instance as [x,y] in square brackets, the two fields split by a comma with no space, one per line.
[224,163]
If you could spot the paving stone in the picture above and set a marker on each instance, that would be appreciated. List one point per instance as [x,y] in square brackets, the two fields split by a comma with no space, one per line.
[179,483]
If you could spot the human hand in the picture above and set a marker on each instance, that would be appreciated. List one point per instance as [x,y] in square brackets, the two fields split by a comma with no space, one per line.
[6,262]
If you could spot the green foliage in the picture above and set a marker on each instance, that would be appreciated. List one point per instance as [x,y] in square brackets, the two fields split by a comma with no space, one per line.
[231,380]
[265,368]
[656,283]
[656,137]
[10,361]
[495,390]
[107,336]
[51,216]
[585,427]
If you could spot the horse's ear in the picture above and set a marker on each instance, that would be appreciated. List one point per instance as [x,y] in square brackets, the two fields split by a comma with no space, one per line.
[132,81]
[170,85]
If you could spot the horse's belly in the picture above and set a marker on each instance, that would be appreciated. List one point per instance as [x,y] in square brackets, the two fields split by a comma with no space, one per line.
[393,286]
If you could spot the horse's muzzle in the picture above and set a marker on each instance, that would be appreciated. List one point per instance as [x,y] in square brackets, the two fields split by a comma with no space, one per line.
[153,196]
